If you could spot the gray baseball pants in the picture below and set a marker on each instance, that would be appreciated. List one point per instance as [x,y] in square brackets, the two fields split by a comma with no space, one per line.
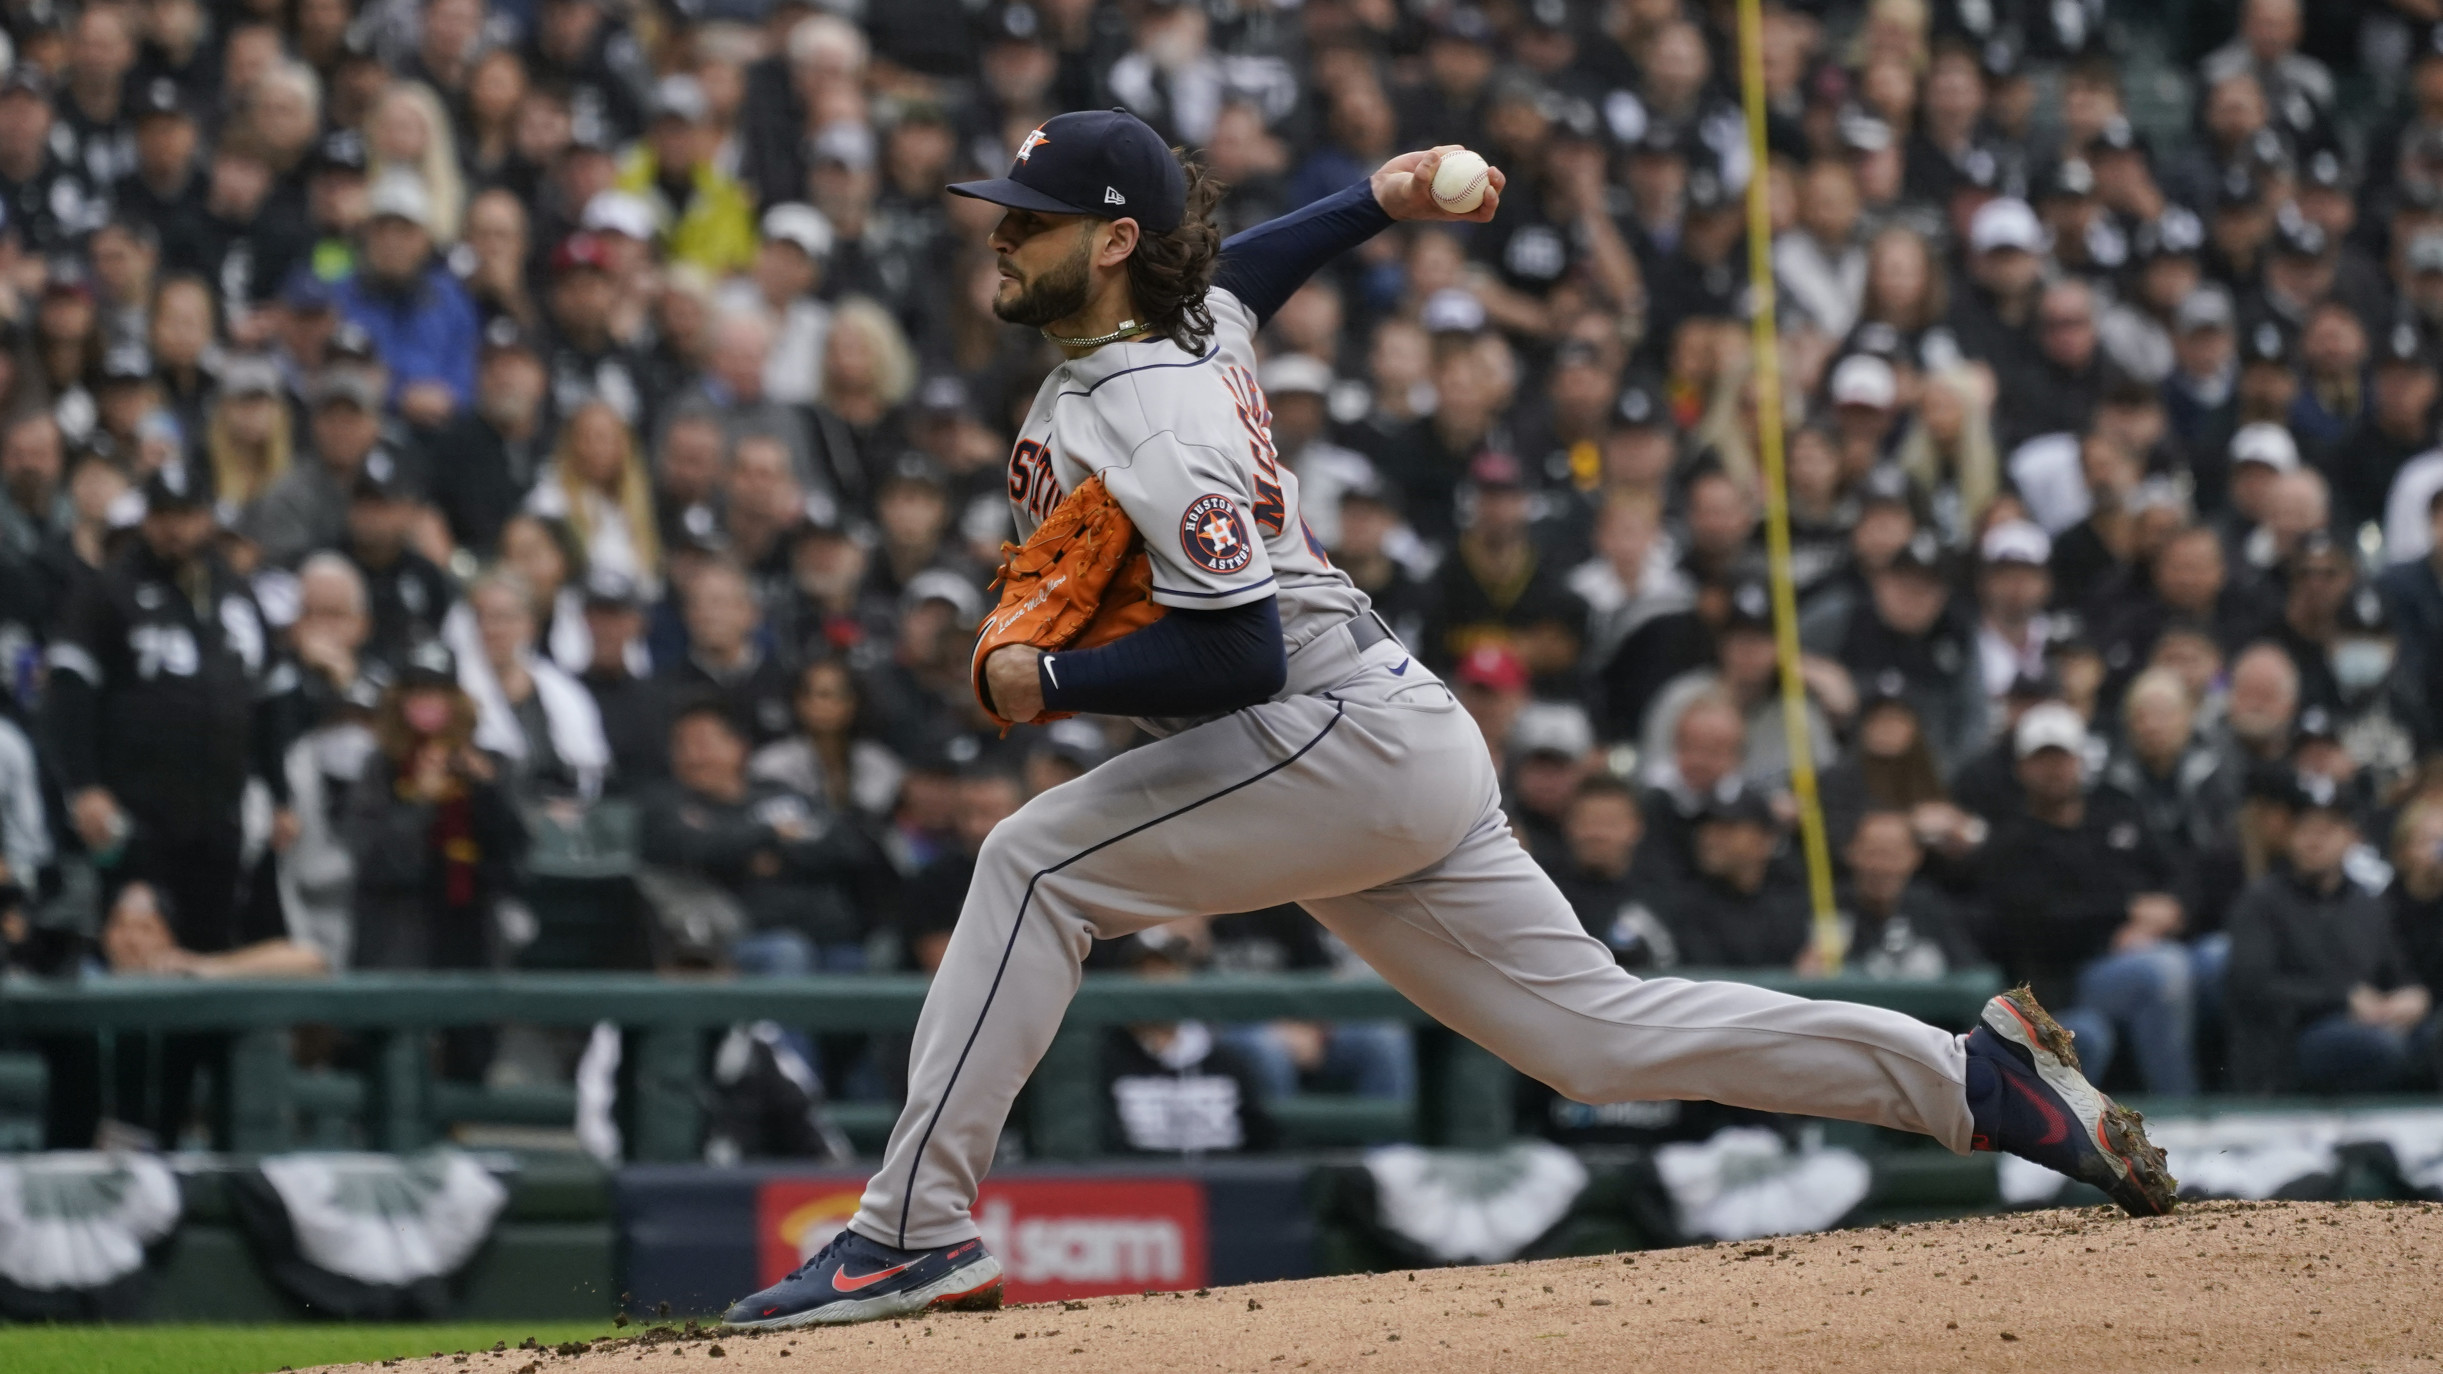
[1367,796]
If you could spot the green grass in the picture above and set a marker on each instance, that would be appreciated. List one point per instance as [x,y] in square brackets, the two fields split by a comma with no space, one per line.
[251,1349]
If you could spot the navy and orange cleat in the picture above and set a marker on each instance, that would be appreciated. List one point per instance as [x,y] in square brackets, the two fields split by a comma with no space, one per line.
[853,1279]
[2028,1098]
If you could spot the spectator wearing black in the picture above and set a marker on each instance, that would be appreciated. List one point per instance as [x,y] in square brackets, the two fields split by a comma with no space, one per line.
[1642,623]
[727,655]
[1993,313]
[2187,583]
[912,515]
[790,864]
[2385,715]
[2396,424]
[165,190]
[2201,396]
[1371,534]
[435,838]
[2416,894]
[1704,274]
[1708,745]
[1908,639]
[2063,388]
[824,609]
[1600,872]
[1895,923]
[2093,557]
[408,593]
[163,704]
[586,359]
[481,463]
[1742,909]
[592,55]
[246,242]
[2322,577]
[336,206]
[929,903]
[50,202]
[2413,592]
[1176,1087]
[635,707]
[2186,790]
[2085,908]
[2323,997]
[1548,750]
[1889,767]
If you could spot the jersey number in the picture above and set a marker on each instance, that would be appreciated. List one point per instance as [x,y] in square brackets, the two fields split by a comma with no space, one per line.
[1032,487]
[1271,506]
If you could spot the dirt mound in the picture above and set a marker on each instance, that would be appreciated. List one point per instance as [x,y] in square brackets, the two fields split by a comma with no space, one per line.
[2228,1285]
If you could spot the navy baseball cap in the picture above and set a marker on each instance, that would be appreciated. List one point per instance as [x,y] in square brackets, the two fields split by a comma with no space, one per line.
[1105,163]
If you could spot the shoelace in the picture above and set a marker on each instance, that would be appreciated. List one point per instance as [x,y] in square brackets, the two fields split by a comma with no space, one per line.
[820,1255]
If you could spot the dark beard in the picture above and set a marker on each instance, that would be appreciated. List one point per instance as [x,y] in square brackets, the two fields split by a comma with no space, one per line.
[1054,294]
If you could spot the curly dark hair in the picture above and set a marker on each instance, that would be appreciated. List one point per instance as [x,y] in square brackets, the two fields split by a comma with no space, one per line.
[1169,273]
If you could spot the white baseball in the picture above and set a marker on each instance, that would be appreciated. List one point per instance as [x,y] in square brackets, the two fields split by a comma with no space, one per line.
[1460,181]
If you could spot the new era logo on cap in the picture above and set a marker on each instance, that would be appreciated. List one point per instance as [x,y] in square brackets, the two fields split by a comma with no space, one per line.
[1112,196]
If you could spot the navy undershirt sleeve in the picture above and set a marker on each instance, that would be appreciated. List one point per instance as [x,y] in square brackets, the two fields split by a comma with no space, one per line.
[1188,663]
[1264,265]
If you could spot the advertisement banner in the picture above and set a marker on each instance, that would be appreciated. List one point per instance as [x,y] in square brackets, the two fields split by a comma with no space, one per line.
[1057,1237]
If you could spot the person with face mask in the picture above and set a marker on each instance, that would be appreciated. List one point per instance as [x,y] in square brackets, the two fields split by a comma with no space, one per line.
[2383,719]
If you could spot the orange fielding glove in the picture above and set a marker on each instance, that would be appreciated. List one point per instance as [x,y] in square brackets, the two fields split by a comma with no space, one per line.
[1081,580]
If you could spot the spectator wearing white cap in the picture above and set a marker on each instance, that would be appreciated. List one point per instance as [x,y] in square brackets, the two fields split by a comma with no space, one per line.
[2261,454]
[2013,584]
[1865,395]
[421,323]
[2086,907]
[1993,312]
[789,265]
[1299,389]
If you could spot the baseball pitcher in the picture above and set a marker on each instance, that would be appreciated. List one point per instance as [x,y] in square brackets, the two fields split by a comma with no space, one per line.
[1303,755]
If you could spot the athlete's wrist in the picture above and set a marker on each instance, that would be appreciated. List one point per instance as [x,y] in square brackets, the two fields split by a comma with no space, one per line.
[1014,678]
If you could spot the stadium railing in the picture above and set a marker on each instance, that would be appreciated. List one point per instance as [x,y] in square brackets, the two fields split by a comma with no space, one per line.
[1465,1096]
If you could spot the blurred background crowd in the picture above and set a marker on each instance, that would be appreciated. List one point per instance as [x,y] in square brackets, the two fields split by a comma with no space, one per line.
[512,486]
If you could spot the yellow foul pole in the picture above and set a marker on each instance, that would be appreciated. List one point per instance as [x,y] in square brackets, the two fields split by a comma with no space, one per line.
[1776,490]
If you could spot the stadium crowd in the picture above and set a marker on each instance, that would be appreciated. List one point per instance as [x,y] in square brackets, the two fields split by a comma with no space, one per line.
[441,439]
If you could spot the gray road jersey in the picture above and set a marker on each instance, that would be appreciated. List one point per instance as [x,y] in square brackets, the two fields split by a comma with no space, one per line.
[1184,443]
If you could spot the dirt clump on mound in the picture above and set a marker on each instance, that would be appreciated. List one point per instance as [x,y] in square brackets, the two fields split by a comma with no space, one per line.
[2223,1285]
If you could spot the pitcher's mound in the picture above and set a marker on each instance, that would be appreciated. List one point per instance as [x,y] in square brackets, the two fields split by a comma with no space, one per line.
[2223,1285]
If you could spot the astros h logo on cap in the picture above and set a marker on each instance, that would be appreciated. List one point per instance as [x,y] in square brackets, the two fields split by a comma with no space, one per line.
[1105,163]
